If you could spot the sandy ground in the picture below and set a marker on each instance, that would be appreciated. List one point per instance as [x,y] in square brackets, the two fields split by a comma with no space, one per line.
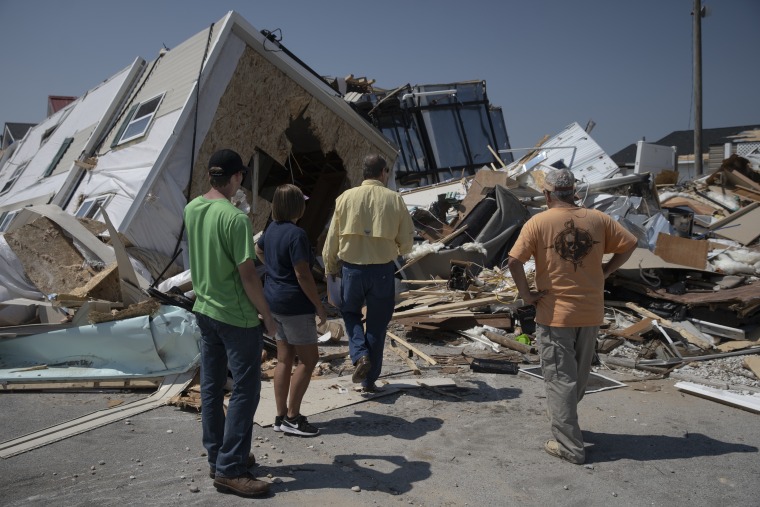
[479,443]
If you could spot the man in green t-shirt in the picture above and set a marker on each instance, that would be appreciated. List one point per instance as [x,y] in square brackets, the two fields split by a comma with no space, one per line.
[229,301]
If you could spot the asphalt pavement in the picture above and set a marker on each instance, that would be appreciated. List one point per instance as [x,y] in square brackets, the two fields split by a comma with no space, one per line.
[479,444]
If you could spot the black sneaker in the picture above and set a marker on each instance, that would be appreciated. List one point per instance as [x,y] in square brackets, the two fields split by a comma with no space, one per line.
[277,426]
[299,426]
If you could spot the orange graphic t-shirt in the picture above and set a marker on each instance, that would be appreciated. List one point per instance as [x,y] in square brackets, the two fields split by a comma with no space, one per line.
[568,245]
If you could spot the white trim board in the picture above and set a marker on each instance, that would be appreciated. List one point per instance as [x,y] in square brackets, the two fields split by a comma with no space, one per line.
[749,402]
[171,386]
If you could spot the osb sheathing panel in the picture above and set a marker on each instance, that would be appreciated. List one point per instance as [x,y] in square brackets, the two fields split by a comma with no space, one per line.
[256,110]
[50,260]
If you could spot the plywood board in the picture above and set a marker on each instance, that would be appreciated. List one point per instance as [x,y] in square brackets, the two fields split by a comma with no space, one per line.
[684,251]
[331,393]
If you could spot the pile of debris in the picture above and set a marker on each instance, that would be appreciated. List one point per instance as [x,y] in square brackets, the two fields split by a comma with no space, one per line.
[686,301]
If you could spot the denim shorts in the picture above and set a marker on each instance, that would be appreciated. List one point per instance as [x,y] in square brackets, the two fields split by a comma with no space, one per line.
[296,329]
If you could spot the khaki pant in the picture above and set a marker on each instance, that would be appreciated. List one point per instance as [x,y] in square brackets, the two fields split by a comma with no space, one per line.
[566,355]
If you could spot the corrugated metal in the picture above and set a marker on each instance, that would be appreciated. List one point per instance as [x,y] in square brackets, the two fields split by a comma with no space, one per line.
[75,149]
[174,74]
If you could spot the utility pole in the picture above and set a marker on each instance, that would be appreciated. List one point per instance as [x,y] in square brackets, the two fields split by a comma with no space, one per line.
[698,14]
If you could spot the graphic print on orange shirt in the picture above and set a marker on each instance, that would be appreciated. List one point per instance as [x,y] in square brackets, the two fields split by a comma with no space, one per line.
[573,244]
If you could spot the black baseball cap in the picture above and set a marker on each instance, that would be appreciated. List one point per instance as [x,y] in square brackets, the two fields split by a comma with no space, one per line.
[225,163]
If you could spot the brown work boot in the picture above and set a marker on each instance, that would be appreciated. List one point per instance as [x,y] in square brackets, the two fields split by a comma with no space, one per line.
[244,485]
[251,462]
[362,369]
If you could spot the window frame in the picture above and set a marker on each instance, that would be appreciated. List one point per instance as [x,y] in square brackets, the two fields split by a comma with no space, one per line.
[132,119]
[95,205]
[15,176]
[5,220]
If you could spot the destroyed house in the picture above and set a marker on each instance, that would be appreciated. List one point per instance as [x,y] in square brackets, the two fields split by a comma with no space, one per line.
[442,131]
[137,145]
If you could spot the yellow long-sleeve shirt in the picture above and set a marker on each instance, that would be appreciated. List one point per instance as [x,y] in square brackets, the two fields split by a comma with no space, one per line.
[371,225]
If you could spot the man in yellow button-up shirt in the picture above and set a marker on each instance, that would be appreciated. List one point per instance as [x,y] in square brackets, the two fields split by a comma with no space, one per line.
[370,228]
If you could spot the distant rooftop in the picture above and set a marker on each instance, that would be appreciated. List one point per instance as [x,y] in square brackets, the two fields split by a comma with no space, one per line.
[58,102]
[13,132]
[683,140]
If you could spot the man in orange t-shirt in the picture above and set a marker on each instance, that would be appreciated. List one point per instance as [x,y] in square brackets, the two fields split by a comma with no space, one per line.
[568,243]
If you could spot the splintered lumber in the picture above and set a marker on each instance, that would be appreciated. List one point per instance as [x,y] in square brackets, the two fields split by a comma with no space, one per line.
[691,338]
[507,342]
[449,306]
[411,347]
[405,356]
[634,331]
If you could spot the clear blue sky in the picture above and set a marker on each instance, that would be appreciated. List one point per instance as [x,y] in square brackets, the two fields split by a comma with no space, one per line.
[625,64]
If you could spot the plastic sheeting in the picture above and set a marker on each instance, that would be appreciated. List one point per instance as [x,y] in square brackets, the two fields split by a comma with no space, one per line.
[139,347]
[13,281]
[494,236]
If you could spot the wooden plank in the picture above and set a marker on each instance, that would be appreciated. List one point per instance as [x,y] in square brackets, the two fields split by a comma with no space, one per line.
[450,306]
[694,340]
[170,386]
[48,385]
[508,342]
[405,356]
[411,347]
[633,331]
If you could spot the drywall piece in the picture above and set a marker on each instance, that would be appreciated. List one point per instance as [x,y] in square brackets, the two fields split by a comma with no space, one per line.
[171,386]
[749,402]
[742,226]
[331,393]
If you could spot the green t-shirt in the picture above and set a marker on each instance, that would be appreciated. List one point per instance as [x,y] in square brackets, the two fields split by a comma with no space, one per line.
[220,238]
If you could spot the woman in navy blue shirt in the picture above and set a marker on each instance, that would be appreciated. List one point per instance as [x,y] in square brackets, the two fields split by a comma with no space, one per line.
[293,300]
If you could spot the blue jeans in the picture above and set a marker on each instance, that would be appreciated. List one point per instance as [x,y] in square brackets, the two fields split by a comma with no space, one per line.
[372,285]
[228,440]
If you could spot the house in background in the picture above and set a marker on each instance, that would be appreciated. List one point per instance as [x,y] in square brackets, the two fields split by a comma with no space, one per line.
[13,132]
[137,145]
[717,145]
[58,102]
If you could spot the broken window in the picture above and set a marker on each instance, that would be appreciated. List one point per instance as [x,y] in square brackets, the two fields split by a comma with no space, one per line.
[6,219]
[91,207]
[13,178]
[46,135]
[137,121]
[58,156]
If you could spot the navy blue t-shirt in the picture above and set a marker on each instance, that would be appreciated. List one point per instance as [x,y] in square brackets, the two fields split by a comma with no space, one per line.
[285,244]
